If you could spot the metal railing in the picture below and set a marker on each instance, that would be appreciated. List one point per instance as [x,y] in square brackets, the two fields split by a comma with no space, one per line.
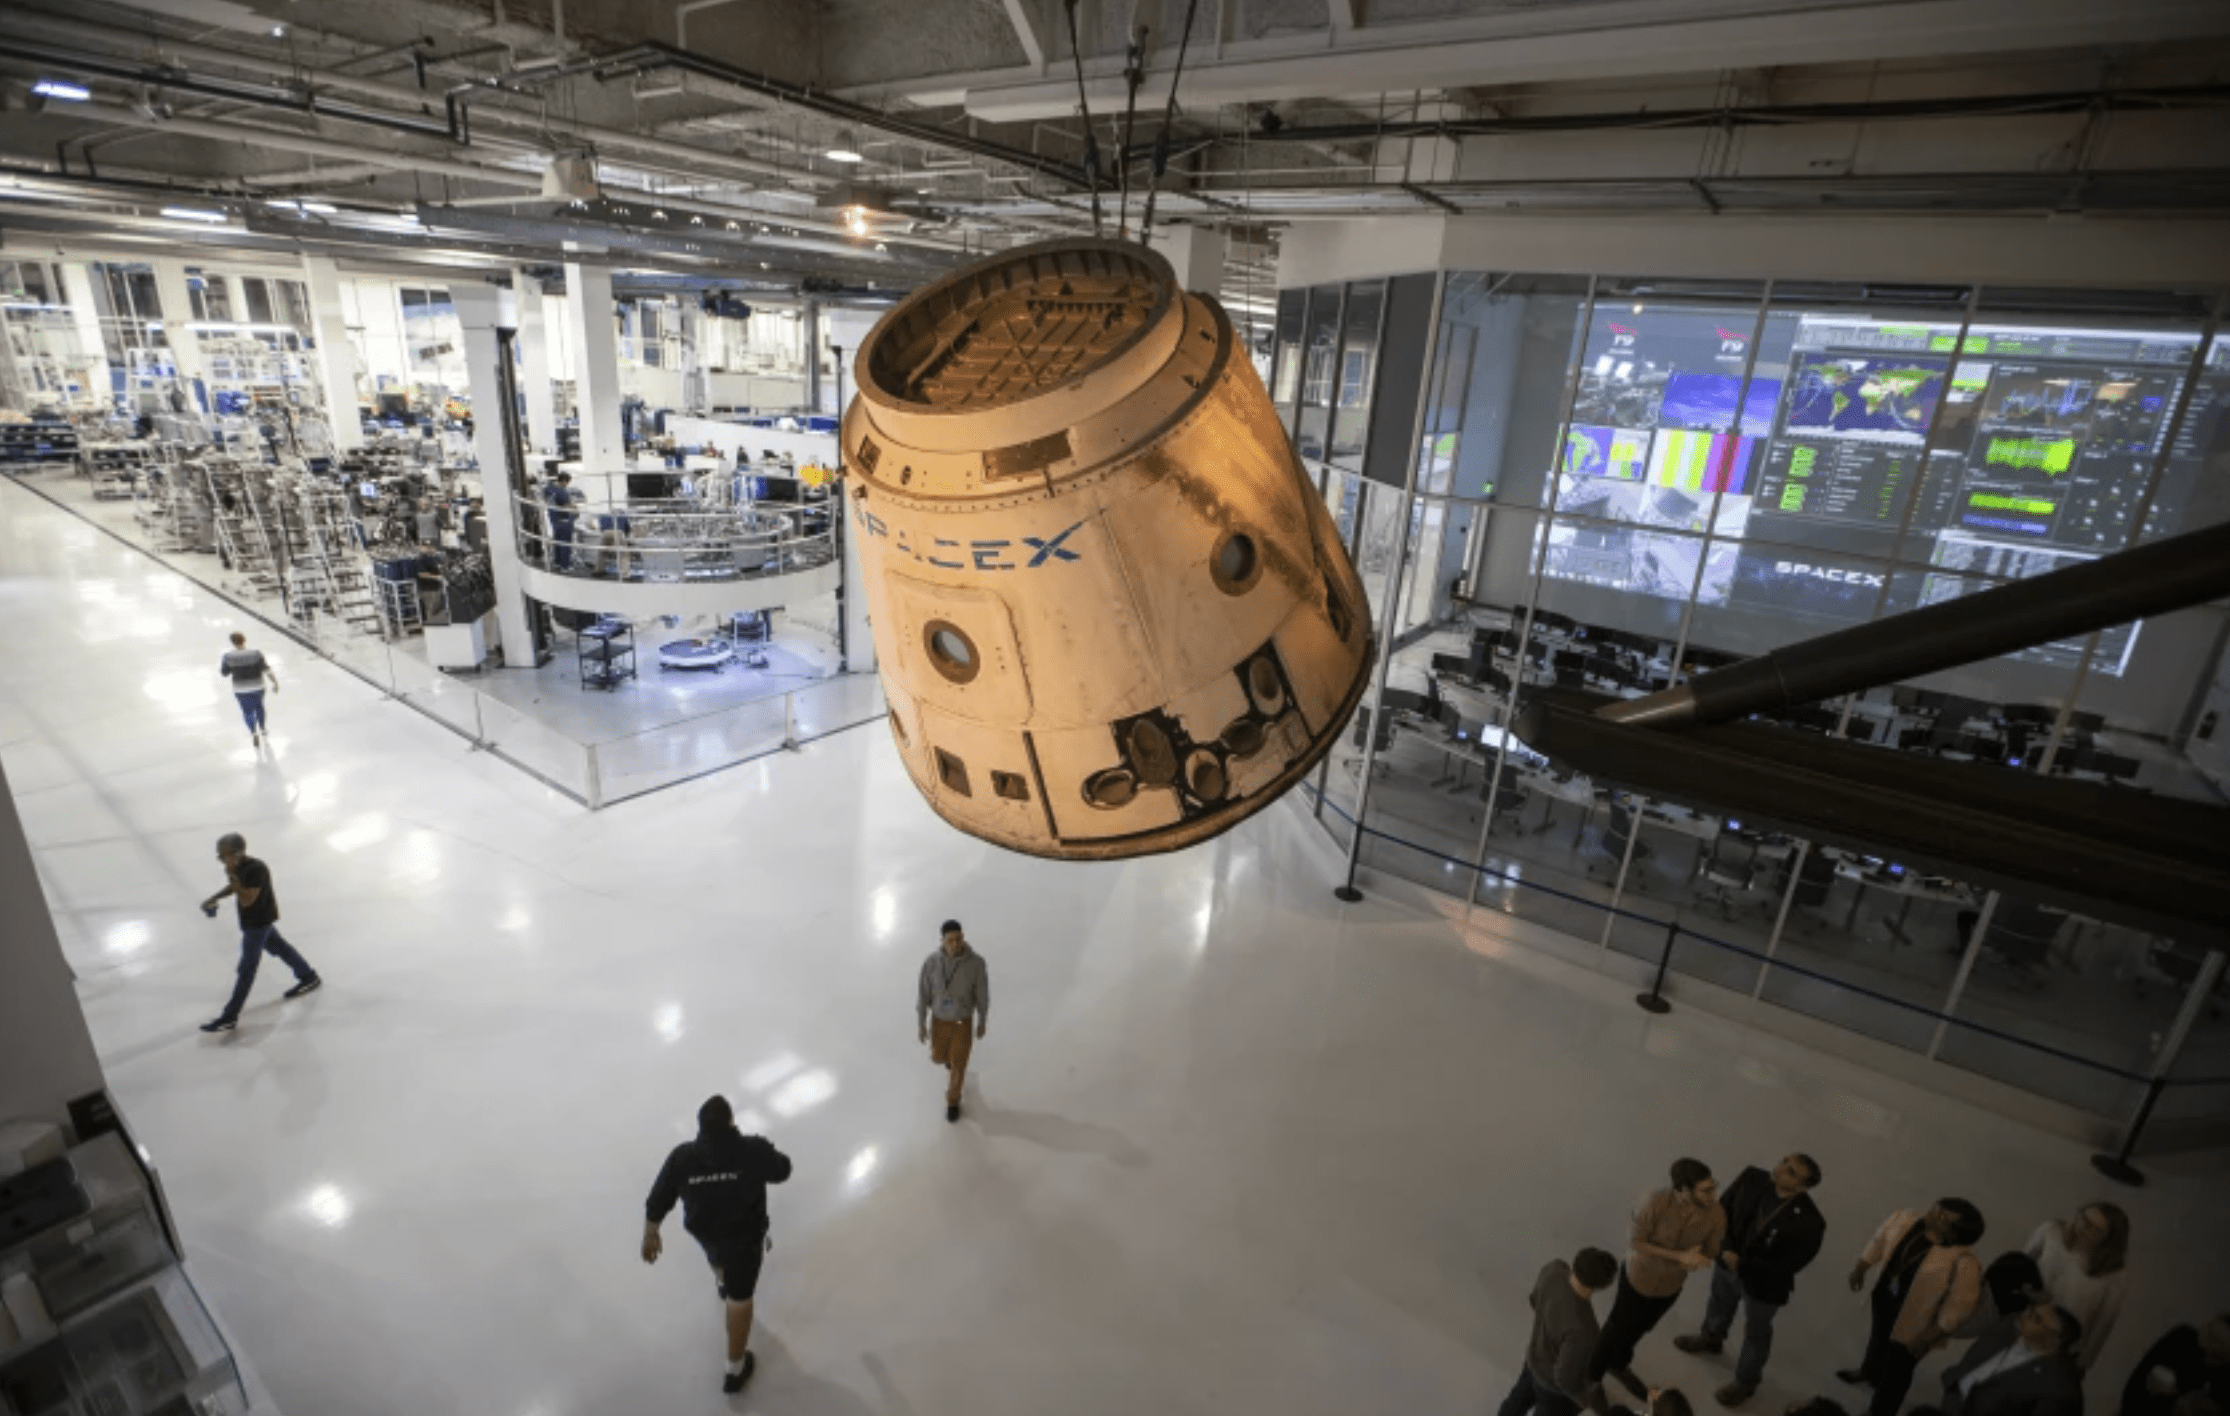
[2155,1079]
[671,540]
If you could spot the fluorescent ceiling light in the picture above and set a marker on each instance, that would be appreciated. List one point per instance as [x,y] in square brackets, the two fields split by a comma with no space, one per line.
[846,149]
[314,208]
[193,214]
[55,88]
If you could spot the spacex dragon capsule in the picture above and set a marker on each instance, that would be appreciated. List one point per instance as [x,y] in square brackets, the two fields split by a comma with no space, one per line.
[1112,615]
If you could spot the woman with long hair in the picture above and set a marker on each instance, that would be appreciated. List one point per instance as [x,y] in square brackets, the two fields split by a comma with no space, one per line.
[2083,1260]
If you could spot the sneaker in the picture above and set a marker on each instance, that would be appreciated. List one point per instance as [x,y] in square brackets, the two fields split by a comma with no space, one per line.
[952,1111]
[1854,1376]
[1734,1393]
[308,985]
[217,1025]
[733,1381]
[1702,1342]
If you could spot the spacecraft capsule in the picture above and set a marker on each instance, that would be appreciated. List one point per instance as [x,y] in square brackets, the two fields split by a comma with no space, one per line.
[1112,614]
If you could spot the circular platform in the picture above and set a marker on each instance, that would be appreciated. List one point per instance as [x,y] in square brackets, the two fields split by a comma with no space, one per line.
[695,654]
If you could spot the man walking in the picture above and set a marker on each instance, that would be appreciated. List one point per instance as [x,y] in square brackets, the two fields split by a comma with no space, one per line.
[721,1180]
[955,986]
[1553,1379]
[249,885]
[2021,1366]
[1773,1231]
[1931,1282]
[1676,1230]
[250,673]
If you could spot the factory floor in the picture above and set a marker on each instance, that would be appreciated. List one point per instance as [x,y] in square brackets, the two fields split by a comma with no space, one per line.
[1229,1145]
[803,650]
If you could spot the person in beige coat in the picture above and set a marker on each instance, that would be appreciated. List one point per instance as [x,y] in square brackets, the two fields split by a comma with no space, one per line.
[1931,1282]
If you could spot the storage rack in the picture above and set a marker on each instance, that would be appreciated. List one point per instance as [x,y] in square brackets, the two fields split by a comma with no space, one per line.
[113,467]
[607,653]
[28,446]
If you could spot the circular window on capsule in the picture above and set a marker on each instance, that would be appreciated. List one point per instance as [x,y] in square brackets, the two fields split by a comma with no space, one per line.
[1236,564]
[951,651]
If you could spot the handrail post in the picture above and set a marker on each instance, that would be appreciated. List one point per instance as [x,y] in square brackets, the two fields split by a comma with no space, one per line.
[595,780]
[2116,1167]
[790,720]
[1654,1000]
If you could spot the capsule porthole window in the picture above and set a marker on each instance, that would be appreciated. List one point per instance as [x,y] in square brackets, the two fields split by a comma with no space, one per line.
[951,651]
[1236,563]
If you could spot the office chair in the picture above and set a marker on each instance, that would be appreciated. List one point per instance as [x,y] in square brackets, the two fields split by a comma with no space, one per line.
[1509,799]
[1363,728]
[1625,823]
[1724,879]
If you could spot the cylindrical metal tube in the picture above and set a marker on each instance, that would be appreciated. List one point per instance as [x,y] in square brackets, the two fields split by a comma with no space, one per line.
[2166,575]
[1110,615]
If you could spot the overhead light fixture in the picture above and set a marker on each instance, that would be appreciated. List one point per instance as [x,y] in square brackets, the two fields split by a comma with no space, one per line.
[313,208]
[278,31]
[855,220]
[194,214]
[846,149]
[55,88]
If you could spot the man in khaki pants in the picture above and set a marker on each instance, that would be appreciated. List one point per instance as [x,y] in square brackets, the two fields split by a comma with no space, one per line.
[956,988]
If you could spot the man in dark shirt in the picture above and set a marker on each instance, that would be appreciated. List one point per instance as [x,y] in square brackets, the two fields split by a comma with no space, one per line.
[721,1181]
[249,884]
[1773,1231]
[1554,1378]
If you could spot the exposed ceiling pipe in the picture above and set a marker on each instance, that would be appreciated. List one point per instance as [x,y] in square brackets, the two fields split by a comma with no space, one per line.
[541,125]
[654,55]
[313,147]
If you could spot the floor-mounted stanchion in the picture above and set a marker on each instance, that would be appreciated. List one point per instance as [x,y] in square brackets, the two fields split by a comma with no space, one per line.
[1654,1000]
[2117,1166]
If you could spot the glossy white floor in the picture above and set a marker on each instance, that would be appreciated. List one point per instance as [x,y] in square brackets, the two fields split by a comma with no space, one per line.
[1231,1147]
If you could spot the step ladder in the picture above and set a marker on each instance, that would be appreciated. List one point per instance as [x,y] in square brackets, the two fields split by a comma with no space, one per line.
[331,553]
[244,538]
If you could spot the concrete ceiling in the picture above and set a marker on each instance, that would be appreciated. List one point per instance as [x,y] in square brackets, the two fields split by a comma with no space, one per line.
[966,115]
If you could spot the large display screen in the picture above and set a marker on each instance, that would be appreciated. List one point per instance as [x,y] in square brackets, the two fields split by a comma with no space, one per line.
[2023,449]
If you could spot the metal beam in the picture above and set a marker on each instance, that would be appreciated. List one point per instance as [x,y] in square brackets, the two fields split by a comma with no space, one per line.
[1616,39]
[1023,14]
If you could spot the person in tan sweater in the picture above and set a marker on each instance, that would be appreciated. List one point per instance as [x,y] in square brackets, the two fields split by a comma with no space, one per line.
[1931,1282]
[1675,1232]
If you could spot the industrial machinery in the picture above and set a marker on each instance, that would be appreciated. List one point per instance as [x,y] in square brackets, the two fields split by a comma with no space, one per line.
[1112,615]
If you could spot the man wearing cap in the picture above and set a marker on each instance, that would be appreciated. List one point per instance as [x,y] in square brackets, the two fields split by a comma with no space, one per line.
[248,884]
[956,988]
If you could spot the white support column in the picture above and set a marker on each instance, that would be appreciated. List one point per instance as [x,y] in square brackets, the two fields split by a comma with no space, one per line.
[336,357]
[481,311]
[1196,253]
[178,313]
[588,312]
[46,1050]
[85,316]
[535,373]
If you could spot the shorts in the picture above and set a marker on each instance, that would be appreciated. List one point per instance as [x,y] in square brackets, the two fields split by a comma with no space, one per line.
[735,1262]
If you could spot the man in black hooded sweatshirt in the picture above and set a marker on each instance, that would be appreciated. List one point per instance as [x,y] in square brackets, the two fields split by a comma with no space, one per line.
[721,1180]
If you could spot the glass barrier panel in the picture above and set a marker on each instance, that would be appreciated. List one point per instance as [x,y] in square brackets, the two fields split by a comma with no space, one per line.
[662,756]
[1694,868]
[439,696]
[2057,1004]
[834,704]
[542,750]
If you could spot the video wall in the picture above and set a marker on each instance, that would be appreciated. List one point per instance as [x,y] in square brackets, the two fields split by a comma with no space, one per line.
[1808,458]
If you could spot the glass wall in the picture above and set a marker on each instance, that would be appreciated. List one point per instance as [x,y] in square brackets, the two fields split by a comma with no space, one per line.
[1623,481]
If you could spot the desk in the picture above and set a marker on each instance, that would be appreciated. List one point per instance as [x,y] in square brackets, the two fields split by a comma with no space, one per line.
[1911,886]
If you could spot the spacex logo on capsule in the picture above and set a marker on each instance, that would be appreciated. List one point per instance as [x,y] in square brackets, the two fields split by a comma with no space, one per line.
[1034,551]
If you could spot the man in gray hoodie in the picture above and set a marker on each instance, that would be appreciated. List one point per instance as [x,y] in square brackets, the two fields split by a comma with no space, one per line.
[955,986]
[1554,1380]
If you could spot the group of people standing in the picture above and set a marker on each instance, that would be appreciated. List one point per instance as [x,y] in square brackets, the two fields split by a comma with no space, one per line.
[720,1179]
[2037,1316]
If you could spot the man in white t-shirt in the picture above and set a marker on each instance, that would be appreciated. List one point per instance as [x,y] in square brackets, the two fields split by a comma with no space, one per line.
[250,673]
